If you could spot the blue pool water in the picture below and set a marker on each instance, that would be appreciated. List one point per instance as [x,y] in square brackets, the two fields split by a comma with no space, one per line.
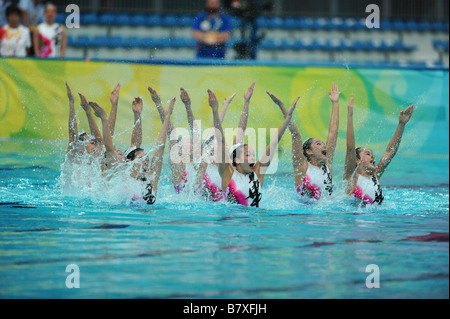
[185,248]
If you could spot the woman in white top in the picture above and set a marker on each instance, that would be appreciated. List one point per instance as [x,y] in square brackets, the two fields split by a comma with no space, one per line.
[14,38]
[312,160]
[242,179]
[361,173]
[49,38]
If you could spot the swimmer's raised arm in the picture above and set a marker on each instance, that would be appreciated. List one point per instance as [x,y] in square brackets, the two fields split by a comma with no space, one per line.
[92,124]
[299,161]
[394,143]
[350,157]
[177,169]
[225,168]
[136,136]
[157,160]
[244,116]
[333,128]
[111,157]
[187,104]
[224,108]
[267,157]
[73,126]
[114,98]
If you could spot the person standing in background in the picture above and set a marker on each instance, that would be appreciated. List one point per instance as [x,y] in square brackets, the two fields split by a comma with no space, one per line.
[15,39]
[212,29]
[49,38]
[32,15]
[3,5]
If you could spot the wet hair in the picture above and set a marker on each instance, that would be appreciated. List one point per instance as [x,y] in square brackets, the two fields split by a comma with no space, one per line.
[234,154]
[358,152]
[307,146]
[82,136]
[132,155]
[13,9]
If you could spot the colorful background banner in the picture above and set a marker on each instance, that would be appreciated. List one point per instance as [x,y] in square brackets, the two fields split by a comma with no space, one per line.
[34,104]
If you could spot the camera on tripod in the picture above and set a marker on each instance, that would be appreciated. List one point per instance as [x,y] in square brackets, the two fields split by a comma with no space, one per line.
[248,11]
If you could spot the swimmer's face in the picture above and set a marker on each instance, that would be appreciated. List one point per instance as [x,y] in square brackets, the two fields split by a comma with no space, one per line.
[50,13]
[141,162]
[120,155]
[318,151]
[90,145]
[246,159]
[366,159]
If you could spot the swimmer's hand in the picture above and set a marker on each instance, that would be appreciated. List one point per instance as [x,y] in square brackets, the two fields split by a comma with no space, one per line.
[227,101]
[69,93]
[98,110]
[185,97]
[155,97]
[292,108]
[84,103]
[334,93]
[137,105]
[275,99]
[170,108]
[114,96]
[405,115]
[249,93]
[212,100]
[350,106]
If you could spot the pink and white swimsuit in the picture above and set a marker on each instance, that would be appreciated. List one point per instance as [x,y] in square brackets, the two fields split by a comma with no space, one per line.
[242,189]
[368,190]
[317,180]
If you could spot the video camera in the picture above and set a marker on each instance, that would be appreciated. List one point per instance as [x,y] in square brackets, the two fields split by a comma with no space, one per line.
[247,9]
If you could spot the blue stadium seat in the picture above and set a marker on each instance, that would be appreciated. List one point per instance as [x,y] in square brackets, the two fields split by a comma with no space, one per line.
[360,24]
[153,20]
[399,25]
[60,18]
[357,45]
[146,42]
[306,23]
[115,41]
[107,19]
[262,22]
[437,26]
[275,23]
[82,41]
[348,24]
[169,21]
[89,18]
[320,23]
[424,26]
[386,25]
[290,23]
[186,21]
[99,41]
[299,45]
[122,19]
[336,24]
[138,20]
[412,25]
[268,44]
[132,42]
[70,40]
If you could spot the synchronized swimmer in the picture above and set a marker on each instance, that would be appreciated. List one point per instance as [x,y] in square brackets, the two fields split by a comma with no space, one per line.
[233,173]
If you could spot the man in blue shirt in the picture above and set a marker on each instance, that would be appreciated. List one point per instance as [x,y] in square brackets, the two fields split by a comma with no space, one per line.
[212,29]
